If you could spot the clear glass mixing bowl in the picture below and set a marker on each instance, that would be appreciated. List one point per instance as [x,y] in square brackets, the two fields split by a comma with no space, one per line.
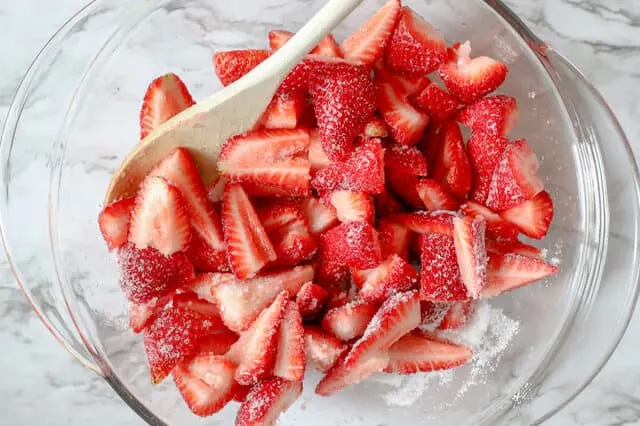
[75,116]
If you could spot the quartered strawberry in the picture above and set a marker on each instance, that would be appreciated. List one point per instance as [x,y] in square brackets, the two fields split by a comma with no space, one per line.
[495,115]
[143,314]
[298,78]
[512,246]
[409,85]
[147,273]
[435,101]
[331,272]
[470,79]
[416,48]
[234,64]
[284,111]
[403,185]
[311,300]
[217,344]
[206,259]
[320,216]
[440,275]
[293,243]
[485,152]
[354,244]
[532,217]
[367,44]
[274,214]
[420,352]
[386,204]
[274,157]
[215,189]
[166,96]
[497,227]
[515,178]
[391,276]
[114,222]
[352,206]
[349,321]
[208,312]
[317,157]
[206,383]
[266,401]
[435,196]
[375,127]
[255,350]
[451,167]
[363,171]
[394,239]
[321,349]
[344,99]
[426,222]
[328,46]
[406,124]
[347,371]
[277,38]
[510,271]
[290,357]
[469,241]
[458,314]
[405,159]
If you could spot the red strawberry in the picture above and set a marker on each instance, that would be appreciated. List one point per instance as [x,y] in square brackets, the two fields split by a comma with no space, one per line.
[367,44]
[293,243]
[317,157]
[512,246]
[391,276]
[114,222]
[352,206]
[217,344]
[437,102]
[290,358]
[348,371]
[515,178]
[206,383]
[469,237]
[344,98]
[321,349]
[311,300]
[403,185]
[533,217]
[435,196]
[206,259]
[328,47]
[386,204]
[497,227]
[432,314]
[495,115]
[266,401]
[405,159]
[420,352]
[409,85]
[241,392]
[485,151]
[405,123]
[159,218]
[470,79]
[374,127]
[284,111]
[510,271]
[276,157]
[320,216]
[166,96]
[275,214]
[208,312]
[394,239]
[147,273]
[416,48]
[277,38]
[143,314]
[355,244]
[234,64]
[255,350]
[215,189]
[440,275]
[426,222]
[298,78]
[349,321]
[363,171]
[458,314]
[330,272]
[451,167]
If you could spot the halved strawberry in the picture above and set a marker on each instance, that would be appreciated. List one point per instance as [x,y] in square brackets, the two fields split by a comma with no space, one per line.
[515,177]
[234,64]
[349,321]
[354,244]
[451,167]
[275,157]
[142,314]
[415,48]
[485,152]
[328,46]
[206,383]
[426,222]
[406,124]
[293,243]
[470,79]
[391,276]
[386,204]
[266,401]
[440,275]
[284,111]
[311,300]
[437,102]
[278,38]
[497,227]
[344,99]
[166,96]
[255,350]
[353,206]
[159,218]
[374,127]
[206,259]
[394,239]
[317,157]
[290,358]
[405,159]
[512,246]
[216,189]
[507,272]
[114,222]
[321,349]
[458,314]
[147,273]
[495,115]
[420,352]
[217,344]
[435,196]
[469,241]
[320,216]
[367,44]
[533,217]
[403,185]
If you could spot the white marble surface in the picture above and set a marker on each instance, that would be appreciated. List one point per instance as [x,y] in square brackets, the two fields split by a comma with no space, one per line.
[41,384]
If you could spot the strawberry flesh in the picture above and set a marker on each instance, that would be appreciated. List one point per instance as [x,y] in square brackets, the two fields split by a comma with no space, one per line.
[394,239]
[405,159]
[355,244]
[266,401]
[290,357]
[532,217]
[234,64]
[406,124]
[436,102]
[166,96]
[469,241]
[485,152]
[495,115]
[349,321]
[509,271]
[114,222]
[391,276]
[311,300]
[452,168]
[353,206]
[435,196]
[321,349]
[440,279]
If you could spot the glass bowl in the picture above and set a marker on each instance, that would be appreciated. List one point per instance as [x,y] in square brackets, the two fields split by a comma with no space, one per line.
[75,116]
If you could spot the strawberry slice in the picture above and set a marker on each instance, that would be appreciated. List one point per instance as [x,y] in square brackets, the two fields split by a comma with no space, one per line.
[255,350]
[114,222]
[495,115]
[513,246]
[409,85]
[348,371]
[403,185]
[533,217]
[208,312]
[432,314]
[159,218]
[344,99]
[437,102]
[391,276]
[217,344]
[374,127]
[317,157]
[266,401]
[277,213]
[458,314]
[469,241]
[515,178]
[367,44]
[353,206]
[440,274]
[350,320]
[320,216]
[293,243]
[278,38]
[405,159]
[451,167]
[470,79]
[328,46]
[426,222]
[216,189]
[143,314]
[206,383]
[284,111]
[406,124]
[435,196]
[311,300]
[248,246]
[205,258]
[355,244]
[485,152]
[497,228]
[283,161]
[234,64]
[507,272]
[322,350]
[420,352]
[166,96]
[415,48]
[386,204]
[394,239]
[290,357]
[330,272]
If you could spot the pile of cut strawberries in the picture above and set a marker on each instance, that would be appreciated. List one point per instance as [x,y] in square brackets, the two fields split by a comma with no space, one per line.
[348,227]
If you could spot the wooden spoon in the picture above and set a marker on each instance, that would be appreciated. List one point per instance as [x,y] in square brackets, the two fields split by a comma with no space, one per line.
[205,126]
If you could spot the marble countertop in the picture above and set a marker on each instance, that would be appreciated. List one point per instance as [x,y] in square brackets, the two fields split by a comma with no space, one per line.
[41,384]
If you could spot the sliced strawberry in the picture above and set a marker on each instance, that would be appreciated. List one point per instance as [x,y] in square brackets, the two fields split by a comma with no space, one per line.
[470,79]
[216,189]
[375,127]
[512,246]
[406,124]
[206,259]
[298,78]
[507,272]
[317,157]
[278,38]
[147,273]
[495,115]
[143,314]
[386,204]
[311,300]
[431,144]
[420,352]
[403,185]
[166,96]
[293,243]
[206,383]
[440,275]
[437,102]
[485,152]
[321,349]
[282,161]
[349,321]
[331,272]
[275,214]
[432,314]
[435,196]
[284,111]
[348,371]
[416,48]
[234,64]
[469,240]
[208,312]
[367,44]
[114,222]
[320,216]
[217,344]
[533,217]
[394,239]
[409,84]
[344,99]
[497,227]
[391,276]
[451,167]
[458,314]
[266,401]
[405,159]
[426,222]
[363,171]
[328,47]
[290,357]
[240,392]
[355,244]
[353,206]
